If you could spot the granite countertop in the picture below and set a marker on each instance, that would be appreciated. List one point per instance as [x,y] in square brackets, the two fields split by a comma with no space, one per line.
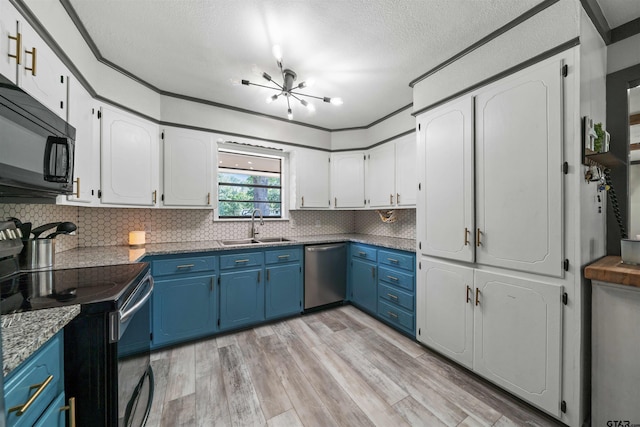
[24,333]
[611,269]
[111,255]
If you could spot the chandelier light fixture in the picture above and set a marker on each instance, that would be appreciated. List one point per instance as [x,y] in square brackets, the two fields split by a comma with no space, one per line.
[287,88]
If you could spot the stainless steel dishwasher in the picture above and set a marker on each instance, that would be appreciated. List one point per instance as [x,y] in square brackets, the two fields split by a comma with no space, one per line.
[325,274]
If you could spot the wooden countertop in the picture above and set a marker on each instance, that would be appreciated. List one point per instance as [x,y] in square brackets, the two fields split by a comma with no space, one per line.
[611,269]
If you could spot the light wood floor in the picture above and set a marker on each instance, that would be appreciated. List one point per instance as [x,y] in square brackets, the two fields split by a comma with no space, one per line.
[338,367]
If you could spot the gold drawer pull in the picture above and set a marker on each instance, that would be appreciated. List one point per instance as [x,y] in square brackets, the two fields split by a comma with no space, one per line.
[395,279]
[397,198]
[208,198]
[18,55]
[33,54]
[392,314]
[40,388]
[466,236]
[477,296]
[183,266]
[467,294]
[478,234]
[392,296]
[71,407]
[238,261]
[154,196]
[362,253]
[395,261]
[77,180]
[303,201]
[283,256]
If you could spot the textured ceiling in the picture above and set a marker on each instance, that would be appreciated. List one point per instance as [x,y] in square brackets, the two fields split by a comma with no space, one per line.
[618,12]
[365,51]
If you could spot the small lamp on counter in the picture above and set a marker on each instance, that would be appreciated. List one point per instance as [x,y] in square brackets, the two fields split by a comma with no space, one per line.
[137,239]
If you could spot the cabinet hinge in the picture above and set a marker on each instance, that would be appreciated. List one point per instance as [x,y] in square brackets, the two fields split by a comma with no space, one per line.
[62,79]
[162,135]
[162,197]
[420,265]
[93,111]
[99,194]
[565,168]
[99,114]
[365,201]
[563,404]
[419,245]
[329,159]
[565,298]
[218,280]
[218,322]
[150,336]
[565,70]
[61,104]
[365,156]
[300,269]
[565,265]
[419,331]
[419,127]
[419,186]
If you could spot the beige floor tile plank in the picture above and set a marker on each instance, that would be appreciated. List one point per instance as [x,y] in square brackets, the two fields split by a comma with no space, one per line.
[225,340]
[315,323]
[416,414]
[179,412]
[378,411]
[263,331]
[504,421]
[182,381]
[160,369]
[286,419]
[244,406]
[211,400]
[344,410]
[391,392]
[332,321]
[303,396]
[342,314]
[273,398]
[304,332]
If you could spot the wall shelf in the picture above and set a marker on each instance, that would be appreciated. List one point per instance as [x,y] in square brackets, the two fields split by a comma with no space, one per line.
[607,159]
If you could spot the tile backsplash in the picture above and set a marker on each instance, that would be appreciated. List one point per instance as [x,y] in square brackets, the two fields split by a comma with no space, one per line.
[111,226]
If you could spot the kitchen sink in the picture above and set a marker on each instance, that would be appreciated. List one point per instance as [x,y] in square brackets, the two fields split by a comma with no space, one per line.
[239,242]
[273,239]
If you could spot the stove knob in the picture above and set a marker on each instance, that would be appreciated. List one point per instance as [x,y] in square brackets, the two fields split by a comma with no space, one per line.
[11,234]
[19,233]
[2,235]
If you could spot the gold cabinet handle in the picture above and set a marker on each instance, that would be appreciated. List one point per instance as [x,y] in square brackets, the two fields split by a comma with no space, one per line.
[335,202]
[395,279]
[154,196]
[241,260]
[18,55]
[21,409]
[283,256]
[394,261]
[467,294]
[392,314]
[466,236]
[393,297]
[302,201]
[478,234]
[398,198]
[183,266]
[208,198]
[364,254]
[390,199]
[33,54]
[71,407]
[77,181]
[477,296]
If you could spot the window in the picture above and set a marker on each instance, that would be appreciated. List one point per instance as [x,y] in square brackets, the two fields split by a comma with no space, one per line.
[247,182]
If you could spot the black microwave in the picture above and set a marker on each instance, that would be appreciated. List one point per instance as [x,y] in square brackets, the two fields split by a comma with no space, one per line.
[36,148]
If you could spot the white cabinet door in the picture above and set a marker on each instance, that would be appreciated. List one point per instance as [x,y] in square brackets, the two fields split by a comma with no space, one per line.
[445,206]
[42,74]
[519,172]
[129,159]
[406,171]
[188,168]
[83,112]
[311,178]
[11,43]
[347,179]
[444,309]
[518,336]
[381,168]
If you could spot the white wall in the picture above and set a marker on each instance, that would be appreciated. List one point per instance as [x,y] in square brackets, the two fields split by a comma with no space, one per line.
[555,25]
[623,54]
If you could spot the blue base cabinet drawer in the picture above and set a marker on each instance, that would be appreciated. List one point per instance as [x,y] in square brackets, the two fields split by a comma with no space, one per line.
[397,260]
[397,278]
[397,316]
[397,297]
[241,260]
[42,370]
[183,265]
[364,252]
[280,256]
[54,416]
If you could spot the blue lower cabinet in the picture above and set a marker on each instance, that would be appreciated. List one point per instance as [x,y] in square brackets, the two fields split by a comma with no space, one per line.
[55,415]
[183,308]
[364,284]
[241,298]
[397,317]
[283,294]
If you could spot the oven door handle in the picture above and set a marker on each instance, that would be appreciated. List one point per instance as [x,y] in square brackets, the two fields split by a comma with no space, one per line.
[131,311]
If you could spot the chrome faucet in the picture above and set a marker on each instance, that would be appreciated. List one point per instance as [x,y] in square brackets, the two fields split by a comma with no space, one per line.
[253,225]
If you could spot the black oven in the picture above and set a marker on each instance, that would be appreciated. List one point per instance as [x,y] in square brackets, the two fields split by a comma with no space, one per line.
[37,147]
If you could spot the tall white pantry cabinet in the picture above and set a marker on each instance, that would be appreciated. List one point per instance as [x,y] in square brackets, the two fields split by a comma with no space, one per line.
[494,272]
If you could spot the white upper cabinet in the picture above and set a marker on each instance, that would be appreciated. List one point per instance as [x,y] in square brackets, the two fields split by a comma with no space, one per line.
[309,179]
[406,171]
[83,112]
[11,52]
[347,179]
[519,172]
[445,205]
[188,168]
[518,336]
[129,159]
[381,167]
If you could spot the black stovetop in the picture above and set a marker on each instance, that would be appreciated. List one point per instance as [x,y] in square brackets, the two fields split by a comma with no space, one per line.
[95,288]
